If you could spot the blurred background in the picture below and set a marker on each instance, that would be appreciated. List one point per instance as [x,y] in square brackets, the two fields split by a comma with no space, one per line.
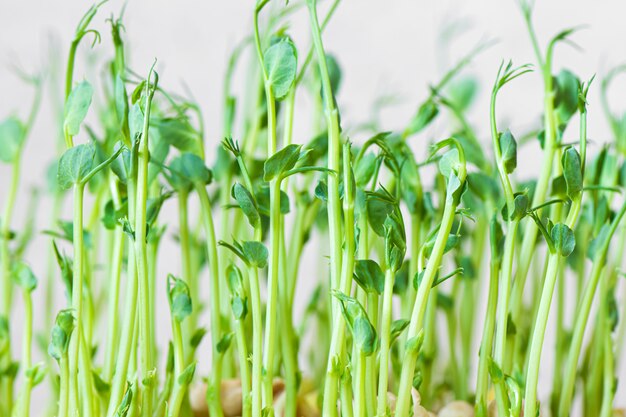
[389,52]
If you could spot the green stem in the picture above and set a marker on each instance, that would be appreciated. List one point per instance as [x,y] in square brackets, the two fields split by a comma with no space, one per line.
[385,333]
[179,366]
[419,308]
[114,294]
[77,305]
[257,341]
[130,313]
[64,386]
[580,323]
[244,368]
[213,393]
[360,383]
[5,277]
[269,352]
[482,383]
[502,311]
[536,344]
[27,382]
[148,371]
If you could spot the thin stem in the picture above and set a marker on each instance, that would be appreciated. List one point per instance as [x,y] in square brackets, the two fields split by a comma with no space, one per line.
[419,308]
[269,351]
[257,341]
[385,333]
[482,383]
[536,344]
[213,393]
[148,370]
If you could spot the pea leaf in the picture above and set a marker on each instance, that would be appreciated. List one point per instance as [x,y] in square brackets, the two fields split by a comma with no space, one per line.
[179,298]
[281,162]
[363,332]
[563,238]
[224,343]
[186,376]
[395,240]
[397,327]
[12,135]
[24,277]
[281,65]
[572,172]
[565,96]
[60,334]
[194,169]
[369,275]
[256,253]
[124,407]
[179,133]
[75,164]
[246,203]
[76,107]
[425,115]
[508,147]
[196,338]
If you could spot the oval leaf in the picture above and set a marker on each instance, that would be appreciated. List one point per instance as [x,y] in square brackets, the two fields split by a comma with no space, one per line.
[281,64]
[76,107]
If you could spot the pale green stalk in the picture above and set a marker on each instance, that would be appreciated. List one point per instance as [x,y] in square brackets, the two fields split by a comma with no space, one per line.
[385,333]
[148,372]
[213,393]
[419,308]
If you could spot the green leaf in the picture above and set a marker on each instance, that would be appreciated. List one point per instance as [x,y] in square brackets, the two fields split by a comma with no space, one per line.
[363,332]
[102,387]
[121,105]
[449,163]
[179,133]
[369,275]
[197,337]
[379,205]
[425,115]
[186,376]
[76,107]
[179,298]
[191,168]
[224,343]
[124,407]
[239,307]
[24,277]
[414,344]
[365,169]
[60,334]
[495,371]
[75,164]
[12,135]
[565,96]
[36,373]
[595,247]
[395,240]
[572,172]
[281,65]
[508,148]
[462,92]
[563,238]
[256,253]
[397,327]
[281,162]
[247,204]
